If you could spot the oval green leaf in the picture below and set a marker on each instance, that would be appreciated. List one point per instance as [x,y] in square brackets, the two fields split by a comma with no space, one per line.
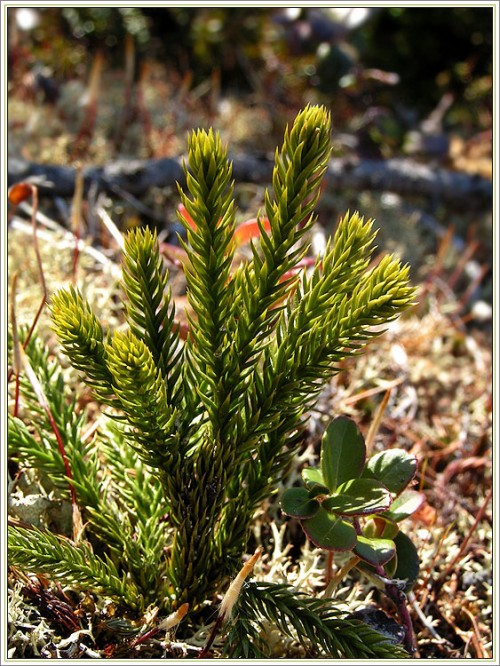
[394,468]
[359,497]
[375,551]
[328,531]
[408,561]
[296,502]
[405,505]
[343,452]
[391,566]
[312,476]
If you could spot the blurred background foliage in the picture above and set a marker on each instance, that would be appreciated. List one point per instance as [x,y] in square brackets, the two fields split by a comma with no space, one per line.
[405,58]
[404,81]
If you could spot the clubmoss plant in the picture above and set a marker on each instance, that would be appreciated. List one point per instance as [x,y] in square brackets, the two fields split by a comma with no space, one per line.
[209,425]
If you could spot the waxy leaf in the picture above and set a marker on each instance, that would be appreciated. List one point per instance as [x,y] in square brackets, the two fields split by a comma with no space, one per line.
[314,481]
[359,497]
[391,566]
[296,502]
[408,561]
[343,452]
[316,491]
[405,505]
[394,468]
[329,531]
[312,476]
[375,551]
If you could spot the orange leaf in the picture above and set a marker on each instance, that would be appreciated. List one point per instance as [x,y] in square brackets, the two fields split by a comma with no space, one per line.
[183,211]
[249,229]
[244,231]
[426,514]
[19,193]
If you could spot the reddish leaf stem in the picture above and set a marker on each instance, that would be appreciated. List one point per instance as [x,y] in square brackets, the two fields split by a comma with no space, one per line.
[27,189]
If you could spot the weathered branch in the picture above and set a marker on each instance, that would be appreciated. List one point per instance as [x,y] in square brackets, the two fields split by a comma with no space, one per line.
[401,176]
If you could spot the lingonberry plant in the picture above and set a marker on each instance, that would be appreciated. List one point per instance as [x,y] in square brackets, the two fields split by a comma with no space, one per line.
[351,504]
[202,429]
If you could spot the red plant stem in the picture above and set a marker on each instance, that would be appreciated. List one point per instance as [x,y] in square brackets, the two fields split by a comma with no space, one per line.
[62,451]
[473,285]
[399,599]
[211,638]
[76,217]
[468,253]
[16,395]
[86,132]
[34,210]
[143,111]
[144,637]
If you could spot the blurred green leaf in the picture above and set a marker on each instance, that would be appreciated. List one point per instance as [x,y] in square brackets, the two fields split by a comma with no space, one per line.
[312,476]
[381,526]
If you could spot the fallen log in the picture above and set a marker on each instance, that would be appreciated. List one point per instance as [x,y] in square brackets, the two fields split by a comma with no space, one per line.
[402,176]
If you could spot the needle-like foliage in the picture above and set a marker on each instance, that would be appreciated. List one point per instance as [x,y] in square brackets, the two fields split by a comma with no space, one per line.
[319,625]
[218,416]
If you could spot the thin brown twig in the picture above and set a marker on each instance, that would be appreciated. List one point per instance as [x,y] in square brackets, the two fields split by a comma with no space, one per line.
[467,537]
[29,189]
[424,585]
[329,567]
[16,361]
[375,424]
[474,284]
[44,404]
[84,136]
[464,258]
[373,391]
[230,599]
[477,639]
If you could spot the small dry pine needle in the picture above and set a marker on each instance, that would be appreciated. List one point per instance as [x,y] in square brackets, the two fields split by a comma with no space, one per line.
[233,592]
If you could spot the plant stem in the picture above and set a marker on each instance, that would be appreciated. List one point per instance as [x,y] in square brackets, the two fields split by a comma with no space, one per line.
[340,575]
[399,598]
